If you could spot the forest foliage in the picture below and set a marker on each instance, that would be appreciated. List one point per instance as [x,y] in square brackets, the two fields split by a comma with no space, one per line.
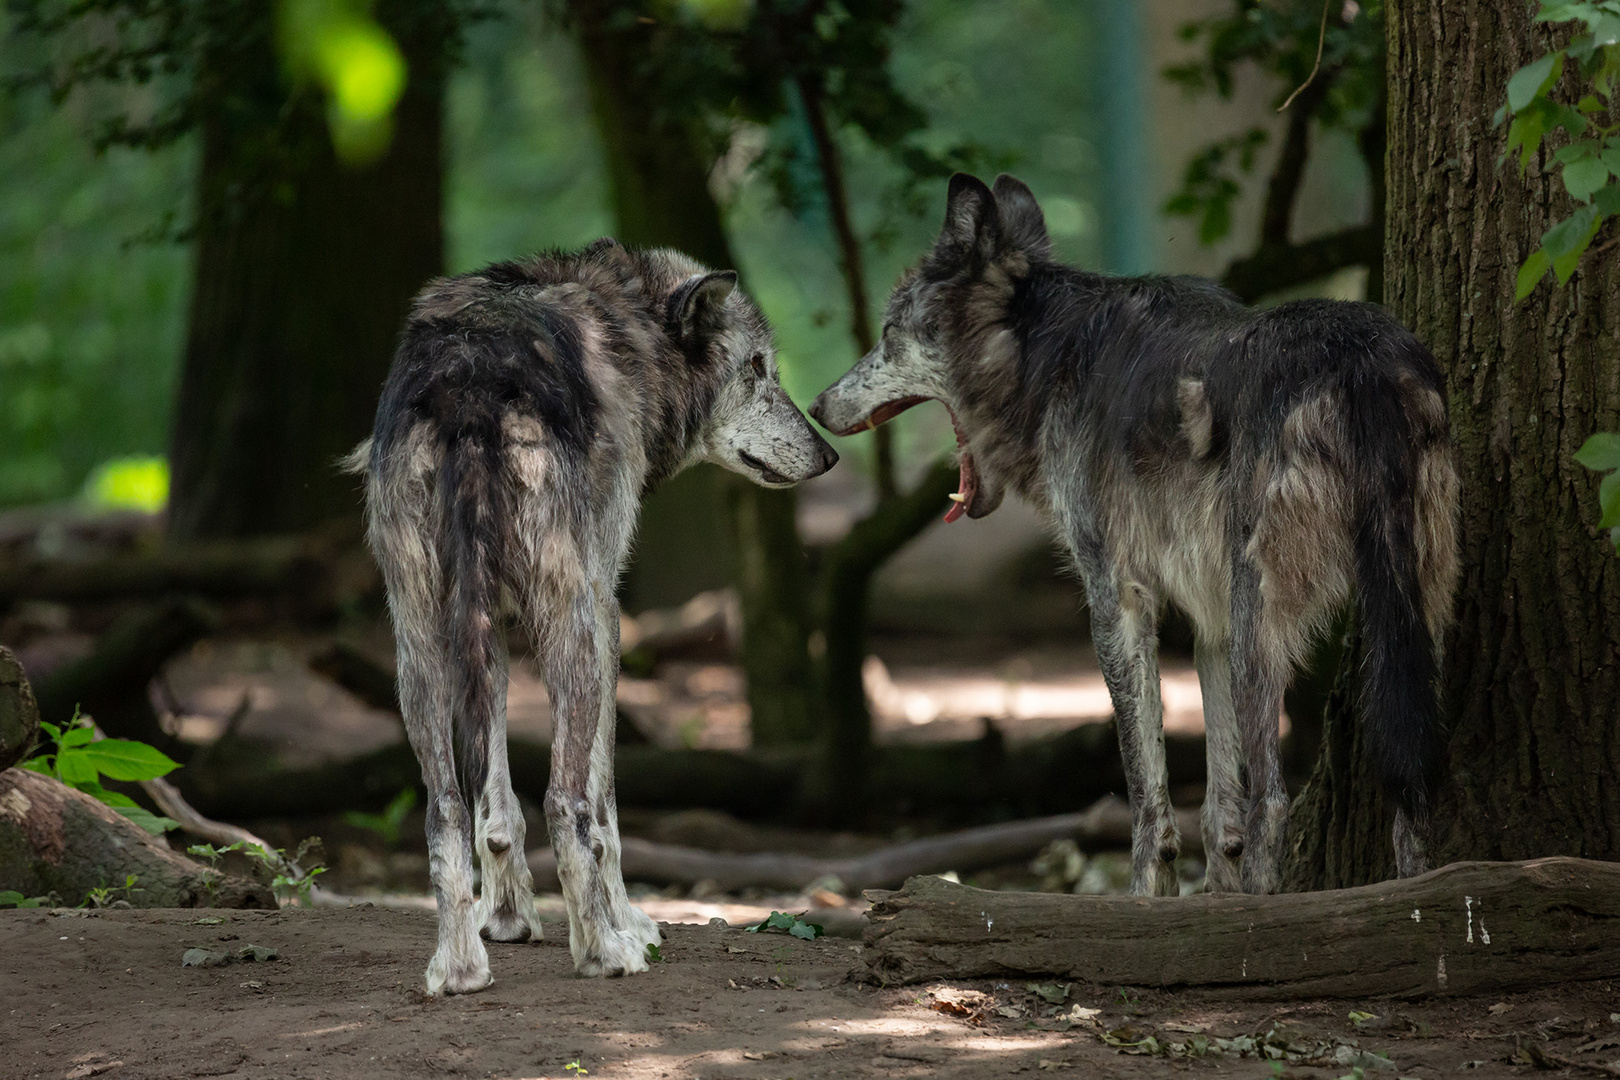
[94,271]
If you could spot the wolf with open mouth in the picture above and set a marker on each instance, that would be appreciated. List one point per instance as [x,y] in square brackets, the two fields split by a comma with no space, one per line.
[1248,466]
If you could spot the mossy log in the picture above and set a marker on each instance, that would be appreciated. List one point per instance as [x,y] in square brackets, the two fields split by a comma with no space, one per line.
[55,841]
[1467,928]
[19,717]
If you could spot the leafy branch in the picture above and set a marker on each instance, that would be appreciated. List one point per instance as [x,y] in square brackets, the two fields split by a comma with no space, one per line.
[1589,161]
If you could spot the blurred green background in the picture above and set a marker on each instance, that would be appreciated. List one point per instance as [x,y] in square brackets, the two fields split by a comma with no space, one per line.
[94,279]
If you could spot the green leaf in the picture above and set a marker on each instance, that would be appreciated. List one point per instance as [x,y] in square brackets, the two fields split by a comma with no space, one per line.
[1583,177]
[1607,199]
[1600,452]
[152,823]
[1525,134]
[1529,81]
[41,765]
[115,799]
[122,759]
[1564,265]
[1565,236]
[1611,158]
[804,930]
[79,736]
[1531,273]
[75,768]
[1609,500]
[52,730]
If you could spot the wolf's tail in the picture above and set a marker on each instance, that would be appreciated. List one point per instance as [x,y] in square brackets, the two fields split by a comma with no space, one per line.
[1406,567]
[475,516]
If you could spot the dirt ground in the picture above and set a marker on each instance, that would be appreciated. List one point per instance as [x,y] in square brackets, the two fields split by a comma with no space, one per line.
[105,994]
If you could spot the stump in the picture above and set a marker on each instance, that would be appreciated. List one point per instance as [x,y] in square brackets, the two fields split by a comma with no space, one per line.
[55,840]
[1464,929]
[19,717]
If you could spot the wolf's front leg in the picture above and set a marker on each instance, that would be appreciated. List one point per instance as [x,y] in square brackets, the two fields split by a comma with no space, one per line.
[606,934]
[1125,630]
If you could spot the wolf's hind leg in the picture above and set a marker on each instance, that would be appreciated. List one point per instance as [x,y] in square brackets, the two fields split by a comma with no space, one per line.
[606,935]
[1124,628]
[1261,647]
[1223,792]
[459,965]
[505,909]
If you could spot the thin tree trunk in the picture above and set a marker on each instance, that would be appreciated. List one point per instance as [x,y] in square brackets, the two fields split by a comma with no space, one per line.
[661,198]
[1531,678]
[304,269]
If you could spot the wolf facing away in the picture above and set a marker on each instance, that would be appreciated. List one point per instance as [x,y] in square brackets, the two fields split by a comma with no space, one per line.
[529,407]
[1248,466]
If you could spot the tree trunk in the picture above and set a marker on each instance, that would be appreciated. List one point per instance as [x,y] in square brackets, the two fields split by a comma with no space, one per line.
[1531,677]
[19,717]
[1552,920]
[304,270]
[661,198]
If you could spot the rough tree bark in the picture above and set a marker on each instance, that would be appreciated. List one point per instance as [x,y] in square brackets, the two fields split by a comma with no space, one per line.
[304,268]
[19,717]
[1531,678]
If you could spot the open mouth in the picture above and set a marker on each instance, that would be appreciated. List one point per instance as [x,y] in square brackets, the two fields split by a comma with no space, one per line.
[766,473]
[967,486]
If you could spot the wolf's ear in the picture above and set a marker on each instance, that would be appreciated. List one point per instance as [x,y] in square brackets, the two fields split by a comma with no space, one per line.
[970,214]
[1022,223]
[695,305]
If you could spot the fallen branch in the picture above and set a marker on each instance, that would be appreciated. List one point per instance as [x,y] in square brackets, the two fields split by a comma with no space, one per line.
[1106,825]
[1466,928]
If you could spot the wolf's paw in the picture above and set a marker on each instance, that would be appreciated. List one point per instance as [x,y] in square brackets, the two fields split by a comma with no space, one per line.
[451,974]
[620,952]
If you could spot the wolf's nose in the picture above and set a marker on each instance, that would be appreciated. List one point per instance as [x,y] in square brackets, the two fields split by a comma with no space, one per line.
[829,457]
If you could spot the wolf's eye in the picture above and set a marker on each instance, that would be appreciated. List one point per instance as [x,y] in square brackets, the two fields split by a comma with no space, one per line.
[758,364]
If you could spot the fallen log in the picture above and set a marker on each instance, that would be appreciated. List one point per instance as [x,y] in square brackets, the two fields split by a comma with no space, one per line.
[1463,929]
[957,782]
[222,568]
[55,841]
[1107,825]
[19,717]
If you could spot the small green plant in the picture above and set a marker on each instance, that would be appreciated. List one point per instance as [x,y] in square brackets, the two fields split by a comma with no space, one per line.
[107,894]
[781,922]
[576,1068]
[80,761]
[387,823]
[11,898]
[290,879]
[654,955]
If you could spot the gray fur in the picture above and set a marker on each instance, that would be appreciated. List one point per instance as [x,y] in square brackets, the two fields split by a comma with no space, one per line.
[530,406]
[1246,466]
